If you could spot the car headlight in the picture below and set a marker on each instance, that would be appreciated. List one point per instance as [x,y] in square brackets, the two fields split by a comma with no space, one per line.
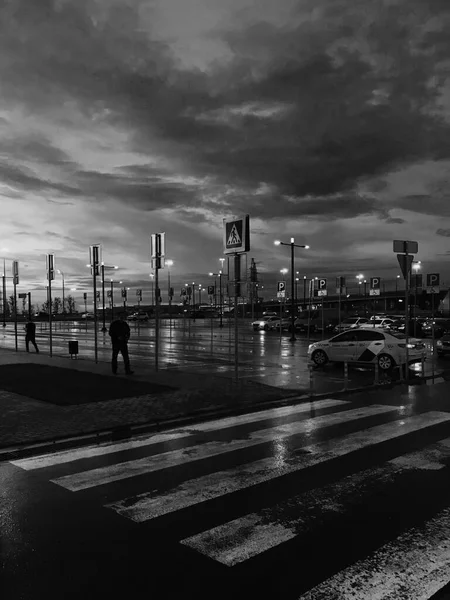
[439,343]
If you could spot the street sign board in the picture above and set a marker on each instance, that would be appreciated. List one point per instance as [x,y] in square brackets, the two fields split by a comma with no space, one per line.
[50,267]
[236,234]
[433,290]
[124,292]
[281,294]
[157,245]
[15,269]
[340,282]
[374,292]
[21,296]
[281,286]
[139,294]
[321,285]
[211,290]
[321,292]
[433,279]
[94,258]
[85,296]
[375,284]
[404,246]
[405,260]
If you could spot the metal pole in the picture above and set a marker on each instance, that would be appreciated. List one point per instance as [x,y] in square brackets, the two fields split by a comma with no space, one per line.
[406,314]
[432,337]
[415,306]
[311,287]
[112,301]
[64,297]
[304,292]
[15,313]
[103,298]
[339,311]
[29,306]
[237,268]
[156,318]
[281,316]
[323,321]
[94,278]
[49,300]
[4,293]
[85,312]
[170,304]
[293,338]
[221,300]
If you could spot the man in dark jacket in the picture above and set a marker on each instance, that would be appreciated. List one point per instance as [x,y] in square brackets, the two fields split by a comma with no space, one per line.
[119,332]
[30,335]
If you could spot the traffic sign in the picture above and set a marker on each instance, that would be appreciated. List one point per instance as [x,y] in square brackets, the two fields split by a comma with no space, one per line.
[281,294]
[21,296]
[94,258]
[433,290]
[236,234]
[433,279]
[405,260]
[374,292]
[281,286]
[321,285]
[50,267]
[406,246]
[321,292]
[85,296]
[15,269]
[211,290]
[375,283]
[124,292]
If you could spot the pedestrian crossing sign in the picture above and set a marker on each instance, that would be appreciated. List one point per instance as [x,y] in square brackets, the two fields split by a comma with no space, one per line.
[236,235]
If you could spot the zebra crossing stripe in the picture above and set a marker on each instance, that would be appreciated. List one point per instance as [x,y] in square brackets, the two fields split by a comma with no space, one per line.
[150,464]
[150,505]
[415,566]
[244,537]
[66,456]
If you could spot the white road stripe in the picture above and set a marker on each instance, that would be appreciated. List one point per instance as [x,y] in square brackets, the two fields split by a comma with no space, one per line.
[65,456]
[415,566]
[238,540]
[150,464]
[149,505]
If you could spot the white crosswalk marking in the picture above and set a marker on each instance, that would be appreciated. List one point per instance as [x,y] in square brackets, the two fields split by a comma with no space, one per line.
[414,566]
[65,456]
[150,464]
[236,541]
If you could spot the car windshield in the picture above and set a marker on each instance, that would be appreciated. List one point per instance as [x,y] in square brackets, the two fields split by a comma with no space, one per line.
[350,321]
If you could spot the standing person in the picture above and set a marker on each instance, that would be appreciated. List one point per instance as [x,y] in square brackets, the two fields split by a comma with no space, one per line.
[119,332]
[30,335]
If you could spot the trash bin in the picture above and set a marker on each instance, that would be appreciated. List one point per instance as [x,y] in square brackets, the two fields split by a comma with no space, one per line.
[73,348]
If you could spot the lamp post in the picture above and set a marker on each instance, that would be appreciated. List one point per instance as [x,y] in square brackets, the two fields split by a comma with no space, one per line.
[63,293]
[4,292]
[396,283]
[222,260]
[416,265]
[199,295]
[304,291]
[296,290]
[103,267]
[152,275]
[292,245]
[169,264]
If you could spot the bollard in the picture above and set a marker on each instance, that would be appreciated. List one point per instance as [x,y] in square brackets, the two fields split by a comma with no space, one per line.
[377,373]
[345,375]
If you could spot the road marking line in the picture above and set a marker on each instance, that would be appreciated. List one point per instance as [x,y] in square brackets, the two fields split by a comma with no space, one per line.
[165,460]
[238,540]
[150,505]
[415,566]
[65,456]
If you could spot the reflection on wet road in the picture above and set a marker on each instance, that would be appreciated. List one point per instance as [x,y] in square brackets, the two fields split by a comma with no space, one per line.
[203,347]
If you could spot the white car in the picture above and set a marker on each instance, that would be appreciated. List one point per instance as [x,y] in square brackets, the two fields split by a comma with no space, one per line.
[367,346]
[350,323]
[265,323]
[382,323]
[87,315]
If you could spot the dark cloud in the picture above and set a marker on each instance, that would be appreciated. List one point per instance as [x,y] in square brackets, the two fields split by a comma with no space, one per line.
[33,148]
[23,178]
[426,204]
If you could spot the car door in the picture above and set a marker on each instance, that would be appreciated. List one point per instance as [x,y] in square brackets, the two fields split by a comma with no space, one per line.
[369,343]
[343,346]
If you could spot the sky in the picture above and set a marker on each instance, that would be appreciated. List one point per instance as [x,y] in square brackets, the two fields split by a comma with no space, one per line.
[324,120]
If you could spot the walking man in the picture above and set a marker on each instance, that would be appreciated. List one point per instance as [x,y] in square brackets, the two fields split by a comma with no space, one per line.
[119,332]
[30,335]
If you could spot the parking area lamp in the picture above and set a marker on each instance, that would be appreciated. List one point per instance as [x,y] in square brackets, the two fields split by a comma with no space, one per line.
[63,293]
[103,268]
[293,245]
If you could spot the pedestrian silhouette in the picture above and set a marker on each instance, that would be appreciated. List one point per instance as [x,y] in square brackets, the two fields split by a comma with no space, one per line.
[30,335]
[119,332]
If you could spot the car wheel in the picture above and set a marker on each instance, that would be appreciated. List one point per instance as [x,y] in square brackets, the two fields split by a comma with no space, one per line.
[385,362]
[319,357]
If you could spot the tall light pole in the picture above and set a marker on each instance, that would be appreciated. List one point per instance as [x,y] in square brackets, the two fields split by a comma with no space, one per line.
[103,267]
[416,265]
[396,283]
[63,293]
[222,260]
[292,245]
[152,275]
[4,292]
[304,291]
[169,264]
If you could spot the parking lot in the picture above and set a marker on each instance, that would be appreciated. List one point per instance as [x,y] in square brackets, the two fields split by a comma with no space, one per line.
[202,346]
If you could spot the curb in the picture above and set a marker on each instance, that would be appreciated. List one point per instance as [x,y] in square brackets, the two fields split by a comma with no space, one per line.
[123,432]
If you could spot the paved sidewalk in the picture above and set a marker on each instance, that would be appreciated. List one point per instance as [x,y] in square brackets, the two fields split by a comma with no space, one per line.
[25,420]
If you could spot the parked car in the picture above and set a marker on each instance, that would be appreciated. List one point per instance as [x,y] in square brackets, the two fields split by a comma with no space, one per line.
[87,315]
[350,323]
[269,313]
[384,323]
[441,326]
[367,346]
[265,323]
[138,317]
[443,345]
[414,327]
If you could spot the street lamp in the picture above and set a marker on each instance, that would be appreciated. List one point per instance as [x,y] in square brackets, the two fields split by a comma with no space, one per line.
[152,275]
[304,291]
[396,283]
[416,265]
[169,264]
[103,267]
[292,245]
[64,297]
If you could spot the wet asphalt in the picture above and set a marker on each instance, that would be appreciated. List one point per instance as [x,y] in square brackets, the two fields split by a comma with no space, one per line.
[202,346]
[348,501]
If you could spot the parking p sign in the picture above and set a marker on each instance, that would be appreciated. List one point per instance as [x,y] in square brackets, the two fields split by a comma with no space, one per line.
[321,287]
[375,283]
[433,281]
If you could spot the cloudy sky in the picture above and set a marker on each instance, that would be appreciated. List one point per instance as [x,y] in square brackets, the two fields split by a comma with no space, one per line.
[326,120]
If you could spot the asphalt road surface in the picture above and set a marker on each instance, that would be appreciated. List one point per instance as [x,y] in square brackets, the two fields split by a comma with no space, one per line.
[203,347]
[333,499]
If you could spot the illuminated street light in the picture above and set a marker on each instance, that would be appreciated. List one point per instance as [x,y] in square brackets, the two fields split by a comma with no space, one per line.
[292,245]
